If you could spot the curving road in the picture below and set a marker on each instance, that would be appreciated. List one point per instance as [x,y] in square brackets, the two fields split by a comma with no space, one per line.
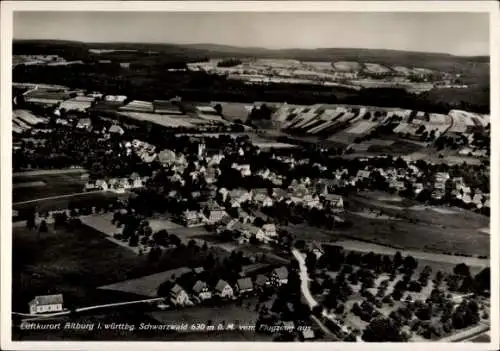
[304,287]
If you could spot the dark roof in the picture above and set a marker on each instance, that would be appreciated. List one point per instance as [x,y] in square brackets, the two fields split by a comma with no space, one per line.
[244,284]
[47,299]
[333,197]
[281,273]
[261,280]
[316,245]
[198,270]
[176,289]
[199,286]
[221,284]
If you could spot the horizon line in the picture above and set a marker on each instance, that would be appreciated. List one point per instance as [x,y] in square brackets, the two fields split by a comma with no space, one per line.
[252,47]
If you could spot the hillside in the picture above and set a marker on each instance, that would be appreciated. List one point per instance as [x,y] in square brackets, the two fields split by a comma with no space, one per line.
[436,61]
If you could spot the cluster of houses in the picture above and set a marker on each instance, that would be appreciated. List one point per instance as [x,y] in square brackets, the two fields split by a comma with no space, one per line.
[201,291]
[246,230]
[463,192]
[117,185]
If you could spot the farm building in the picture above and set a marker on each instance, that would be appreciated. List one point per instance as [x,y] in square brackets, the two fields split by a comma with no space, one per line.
[191,218]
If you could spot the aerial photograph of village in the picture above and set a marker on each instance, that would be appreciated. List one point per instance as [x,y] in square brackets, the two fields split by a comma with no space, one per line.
[251,177]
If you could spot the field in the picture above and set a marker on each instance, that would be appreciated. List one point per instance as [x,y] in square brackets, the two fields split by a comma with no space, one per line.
[347,66]
[146,286]
[399,147]
[70,262]
[30,187]
[163,120]
[425,229]
[362,127]
[32,184]
[58,203]
[436,261]
[375,68]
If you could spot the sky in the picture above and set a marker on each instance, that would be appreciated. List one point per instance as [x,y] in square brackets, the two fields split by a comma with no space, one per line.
[454,33]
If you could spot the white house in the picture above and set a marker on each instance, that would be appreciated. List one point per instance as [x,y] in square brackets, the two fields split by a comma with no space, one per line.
[101,184]
[269,230]
[178,296]
[334,202]
[46,303]
[200,290]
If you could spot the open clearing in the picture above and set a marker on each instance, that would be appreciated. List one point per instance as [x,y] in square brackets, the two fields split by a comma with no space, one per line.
[422,228]
[361,246]
[147,285]
[443,210]
[70,262]
[79,199]
[34,184]
[102,223]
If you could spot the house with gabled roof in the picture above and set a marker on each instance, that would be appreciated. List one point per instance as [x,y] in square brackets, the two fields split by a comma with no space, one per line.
[261,281]
[178,296]
[269,230]
[334,202]
[46,303]
[223,289]
[201,291]
[317,249]
[244,285]
[362,174]
[245,217]
[279,276]
[227,223]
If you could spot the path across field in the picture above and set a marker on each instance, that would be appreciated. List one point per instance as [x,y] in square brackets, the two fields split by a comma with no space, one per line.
[48,172]
[56,197]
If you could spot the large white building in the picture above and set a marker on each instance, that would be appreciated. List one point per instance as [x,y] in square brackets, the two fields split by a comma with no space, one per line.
[46,303]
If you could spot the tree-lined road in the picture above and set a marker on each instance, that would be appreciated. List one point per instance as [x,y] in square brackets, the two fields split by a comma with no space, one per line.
[304,287]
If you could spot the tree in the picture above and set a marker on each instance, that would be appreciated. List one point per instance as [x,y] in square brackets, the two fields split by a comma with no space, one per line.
[164,288]
[154,254]
[300,244]
[383,330]
[317,310]
[462,269]
[30,220]
[483,280]
[134,240]
[311,261]
[43,227]
[398,259]
[410,263]
[218,109]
